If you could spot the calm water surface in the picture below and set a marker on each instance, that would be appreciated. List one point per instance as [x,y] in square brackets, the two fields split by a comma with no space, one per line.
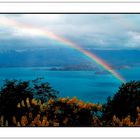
[86,85]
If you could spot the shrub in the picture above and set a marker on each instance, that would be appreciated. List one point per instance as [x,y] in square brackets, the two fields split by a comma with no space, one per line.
[72,112]
[124,102]
[25,103]
[16,91]
[43,91]
[59,112]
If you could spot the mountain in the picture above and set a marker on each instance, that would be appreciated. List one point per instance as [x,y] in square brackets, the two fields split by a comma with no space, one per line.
[67,58]
[119,57]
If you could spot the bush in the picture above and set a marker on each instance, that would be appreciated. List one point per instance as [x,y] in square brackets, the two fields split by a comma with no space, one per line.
[34,103]
[43,91]
[124,102]
[72,112]
[16,91]
[59,112]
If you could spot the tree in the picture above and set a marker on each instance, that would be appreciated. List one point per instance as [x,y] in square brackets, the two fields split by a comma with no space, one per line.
[124,102]
[43,91]
[17,91]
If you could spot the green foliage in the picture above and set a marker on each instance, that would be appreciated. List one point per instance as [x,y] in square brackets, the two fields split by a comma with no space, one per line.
[16,91]
[124,102]
[10,94]
[43,91]
[35,103]
[76,115]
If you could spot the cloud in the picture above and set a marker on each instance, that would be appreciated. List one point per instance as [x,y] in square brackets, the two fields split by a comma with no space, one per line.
[133,40]
[92,31]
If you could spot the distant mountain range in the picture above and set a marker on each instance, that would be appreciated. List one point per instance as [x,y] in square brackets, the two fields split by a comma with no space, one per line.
[68,58]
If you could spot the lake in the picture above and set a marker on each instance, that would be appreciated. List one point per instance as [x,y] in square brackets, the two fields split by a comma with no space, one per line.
[86,85]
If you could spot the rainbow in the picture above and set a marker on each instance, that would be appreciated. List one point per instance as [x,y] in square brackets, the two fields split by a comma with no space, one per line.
[51,35]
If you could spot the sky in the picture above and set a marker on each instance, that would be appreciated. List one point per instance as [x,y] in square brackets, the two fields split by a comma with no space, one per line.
[89,31]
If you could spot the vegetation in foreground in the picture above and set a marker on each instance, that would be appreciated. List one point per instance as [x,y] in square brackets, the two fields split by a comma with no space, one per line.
[36,103]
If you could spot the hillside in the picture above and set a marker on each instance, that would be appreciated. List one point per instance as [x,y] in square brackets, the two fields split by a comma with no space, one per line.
[68,58]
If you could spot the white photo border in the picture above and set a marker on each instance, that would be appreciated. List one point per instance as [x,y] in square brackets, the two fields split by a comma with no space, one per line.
[69,7]
[69,1]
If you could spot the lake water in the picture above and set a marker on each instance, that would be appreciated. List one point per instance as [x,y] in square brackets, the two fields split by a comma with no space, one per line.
[86,85]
